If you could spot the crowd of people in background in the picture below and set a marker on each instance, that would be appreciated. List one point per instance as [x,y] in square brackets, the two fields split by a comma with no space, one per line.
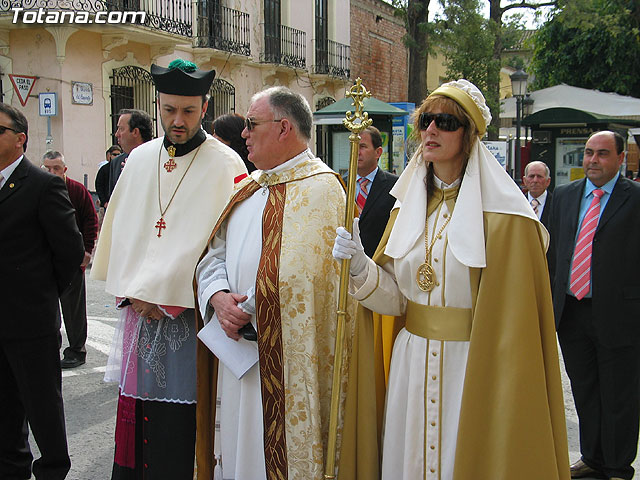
[224,345]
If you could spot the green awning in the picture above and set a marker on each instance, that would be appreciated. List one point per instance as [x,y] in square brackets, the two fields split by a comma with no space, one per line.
[571,116]
[372,105]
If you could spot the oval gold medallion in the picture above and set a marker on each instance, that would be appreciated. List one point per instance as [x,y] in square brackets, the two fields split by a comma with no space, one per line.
[426,277]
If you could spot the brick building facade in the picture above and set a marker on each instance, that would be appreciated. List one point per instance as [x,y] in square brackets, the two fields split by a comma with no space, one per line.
[378,55]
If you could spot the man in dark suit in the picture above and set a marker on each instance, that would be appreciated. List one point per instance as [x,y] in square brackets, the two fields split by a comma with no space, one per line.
[595,231]
[42,249]
[372,190]
[103,187]
[536,180]
[134,128]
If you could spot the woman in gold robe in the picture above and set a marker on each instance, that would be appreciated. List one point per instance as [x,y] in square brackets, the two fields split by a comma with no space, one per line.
[474,387]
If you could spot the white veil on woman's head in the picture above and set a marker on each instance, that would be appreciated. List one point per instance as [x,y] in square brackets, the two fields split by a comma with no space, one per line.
[486,187]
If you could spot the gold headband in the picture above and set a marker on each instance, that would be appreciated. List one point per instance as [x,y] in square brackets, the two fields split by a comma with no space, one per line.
[466,102]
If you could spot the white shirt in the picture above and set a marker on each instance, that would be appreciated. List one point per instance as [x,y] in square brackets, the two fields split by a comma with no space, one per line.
[542,199]
[6,173]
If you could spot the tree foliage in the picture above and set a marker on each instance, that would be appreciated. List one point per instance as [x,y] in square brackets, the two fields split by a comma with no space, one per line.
[469,42]
[472,45]
[466,40]
[417,40]
[592,44]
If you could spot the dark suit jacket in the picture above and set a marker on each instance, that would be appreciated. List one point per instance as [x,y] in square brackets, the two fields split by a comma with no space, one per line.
[546,211]
[374,217]
[41,251]
[115,169]
[615,266]
[102,183]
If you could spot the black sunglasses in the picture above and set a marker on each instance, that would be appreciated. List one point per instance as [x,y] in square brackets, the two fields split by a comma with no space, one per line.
[444,121]
[251,123]
[4,129]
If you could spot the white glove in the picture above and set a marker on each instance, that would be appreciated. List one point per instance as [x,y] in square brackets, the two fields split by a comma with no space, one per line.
[344,248]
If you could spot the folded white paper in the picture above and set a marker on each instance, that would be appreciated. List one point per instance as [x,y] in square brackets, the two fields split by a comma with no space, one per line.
[238,356]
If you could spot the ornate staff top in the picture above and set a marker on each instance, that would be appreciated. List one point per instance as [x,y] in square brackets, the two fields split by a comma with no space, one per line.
[356,123]
[359,120]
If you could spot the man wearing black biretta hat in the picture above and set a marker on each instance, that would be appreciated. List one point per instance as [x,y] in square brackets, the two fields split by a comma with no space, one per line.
[167,200]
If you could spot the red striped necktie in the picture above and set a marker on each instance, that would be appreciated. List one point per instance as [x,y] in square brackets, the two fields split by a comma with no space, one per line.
[362,195]
[580,281]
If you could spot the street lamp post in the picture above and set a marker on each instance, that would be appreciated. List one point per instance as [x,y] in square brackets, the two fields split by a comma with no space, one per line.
[519,89]
[527,109]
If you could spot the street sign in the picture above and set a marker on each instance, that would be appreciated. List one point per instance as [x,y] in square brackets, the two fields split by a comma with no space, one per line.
[48,104]
[22,84]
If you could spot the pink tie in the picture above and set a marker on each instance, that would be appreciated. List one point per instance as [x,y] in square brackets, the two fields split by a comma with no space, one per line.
[580,281]
[362,196]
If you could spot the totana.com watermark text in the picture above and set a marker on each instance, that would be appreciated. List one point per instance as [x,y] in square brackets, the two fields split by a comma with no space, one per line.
[57,17]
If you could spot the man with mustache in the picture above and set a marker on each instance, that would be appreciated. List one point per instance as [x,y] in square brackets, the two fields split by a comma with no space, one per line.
[168,199]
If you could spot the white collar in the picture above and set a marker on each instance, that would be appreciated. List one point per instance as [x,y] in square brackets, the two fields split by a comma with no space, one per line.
[8,171]
[305,155]
[541,199]
[443,186]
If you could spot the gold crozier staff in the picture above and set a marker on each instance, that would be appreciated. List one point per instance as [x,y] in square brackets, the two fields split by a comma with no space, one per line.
[355,122]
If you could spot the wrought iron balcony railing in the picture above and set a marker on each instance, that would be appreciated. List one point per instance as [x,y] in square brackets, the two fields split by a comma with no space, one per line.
[223,28]
[171,16]
[284,46]
[332,58]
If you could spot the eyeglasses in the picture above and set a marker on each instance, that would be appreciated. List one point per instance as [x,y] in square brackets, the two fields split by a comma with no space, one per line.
[4,129]
[444,121]
[251,123]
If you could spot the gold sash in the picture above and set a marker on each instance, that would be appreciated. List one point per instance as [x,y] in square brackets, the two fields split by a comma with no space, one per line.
[439,323]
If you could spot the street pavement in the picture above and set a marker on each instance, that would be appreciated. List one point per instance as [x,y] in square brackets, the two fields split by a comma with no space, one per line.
[90,403]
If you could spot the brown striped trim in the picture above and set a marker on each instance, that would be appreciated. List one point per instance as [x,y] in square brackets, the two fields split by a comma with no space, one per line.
[269,322]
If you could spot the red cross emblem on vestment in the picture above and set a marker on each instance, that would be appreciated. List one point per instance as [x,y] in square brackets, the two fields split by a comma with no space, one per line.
[170,165]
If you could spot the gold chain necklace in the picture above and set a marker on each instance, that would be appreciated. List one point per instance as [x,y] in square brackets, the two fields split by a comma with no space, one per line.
[426,275]
[160,224]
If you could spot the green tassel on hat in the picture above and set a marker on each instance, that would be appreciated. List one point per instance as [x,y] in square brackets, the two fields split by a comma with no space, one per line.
[184,65]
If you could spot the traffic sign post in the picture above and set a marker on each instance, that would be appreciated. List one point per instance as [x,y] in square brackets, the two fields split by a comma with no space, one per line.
[48,107]
[48,104]
[23,84]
